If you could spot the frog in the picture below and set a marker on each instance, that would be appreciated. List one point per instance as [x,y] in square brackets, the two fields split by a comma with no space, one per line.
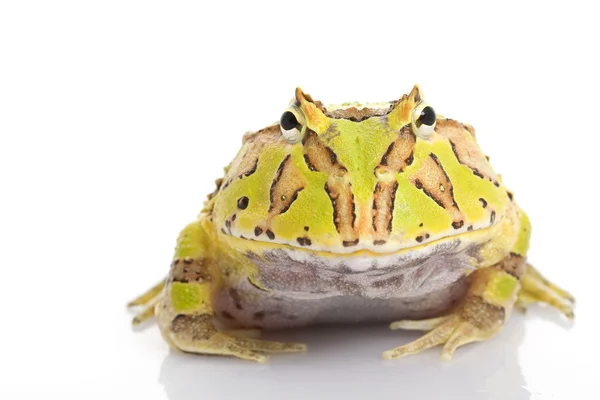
[351,213]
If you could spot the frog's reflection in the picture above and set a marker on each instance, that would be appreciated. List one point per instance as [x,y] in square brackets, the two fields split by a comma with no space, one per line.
[345,363]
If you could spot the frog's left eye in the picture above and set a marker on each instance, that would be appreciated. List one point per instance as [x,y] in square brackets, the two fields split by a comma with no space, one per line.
[292,125]
[423,120]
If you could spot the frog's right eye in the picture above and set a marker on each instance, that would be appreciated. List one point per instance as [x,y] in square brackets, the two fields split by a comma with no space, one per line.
[292,125]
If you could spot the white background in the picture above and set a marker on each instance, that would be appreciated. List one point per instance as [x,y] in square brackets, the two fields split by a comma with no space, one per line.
[117,116]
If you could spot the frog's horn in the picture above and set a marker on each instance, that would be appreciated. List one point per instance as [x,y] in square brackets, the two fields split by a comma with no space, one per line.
[402,109]
[312,110]
[415,95]
[302,97]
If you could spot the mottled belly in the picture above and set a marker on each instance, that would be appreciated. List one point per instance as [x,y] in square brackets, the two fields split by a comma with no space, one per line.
[305,289]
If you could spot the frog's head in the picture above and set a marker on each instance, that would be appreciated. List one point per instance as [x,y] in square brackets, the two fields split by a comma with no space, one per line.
[343,178]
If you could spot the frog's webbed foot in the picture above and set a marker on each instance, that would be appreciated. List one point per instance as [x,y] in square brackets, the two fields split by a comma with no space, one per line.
[479,317]
[197,334]
[537,289]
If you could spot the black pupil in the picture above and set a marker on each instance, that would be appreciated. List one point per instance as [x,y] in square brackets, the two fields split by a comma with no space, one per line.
[288,121]
[427,116]
[242,203]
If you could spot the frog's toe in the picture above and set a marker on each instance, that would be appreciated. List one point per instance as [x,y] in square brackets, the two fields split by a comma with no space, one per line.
[418,325]
[537,289]
[435,337]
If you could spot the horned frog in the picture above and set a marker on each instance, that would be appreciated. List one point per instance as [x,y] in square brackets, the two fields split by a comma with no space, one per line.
[347,214]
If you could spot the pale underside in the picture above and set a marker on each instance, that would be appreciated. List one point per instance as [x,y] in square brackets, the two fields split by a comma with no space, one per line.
[304,289]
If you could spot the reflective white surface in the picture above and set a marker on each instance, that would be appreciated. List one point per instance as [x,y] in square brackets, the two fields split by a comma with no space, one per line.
[116,117]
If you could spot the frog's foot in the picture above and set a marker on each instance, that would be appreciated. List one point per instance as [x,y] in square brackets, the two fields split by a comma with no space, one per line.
[197,334]
[480,316]
[148,300]
[537,289]
[474,321]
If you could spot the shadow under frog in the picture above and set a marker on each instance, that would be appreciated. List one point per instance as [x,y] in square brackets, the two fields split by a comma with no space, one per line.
[343,362]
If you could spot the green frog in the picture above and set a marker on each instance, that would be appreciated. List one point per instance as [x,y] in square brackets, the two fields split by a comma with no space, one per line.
[351,213]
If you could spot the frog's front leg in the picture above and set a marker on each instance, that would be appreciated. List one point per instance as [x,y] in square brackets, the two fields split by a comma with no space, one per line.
[490,298]
[185,310]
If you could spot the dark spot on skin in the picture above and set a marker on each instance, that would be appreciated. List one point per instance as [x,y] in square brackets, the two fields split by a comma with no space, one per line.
[421,225]
[458,224]
[303,241]
[292,200]
[470,228]
[233,217]
[259,315]
[253,170]
[188,260]
[258,231]
[427,236]
[270,234]
[242,203]
[276,179]
[387,154]
[379,242]
[224,231]
[477,173]
[454,149]
[308,163]
[419,239]
[332,155]
[483,202]
[418,184]
[492,217]
[510,195]
[225,314]
[496,184]
[242,237]
[350,243]
[306,228]
[228,224]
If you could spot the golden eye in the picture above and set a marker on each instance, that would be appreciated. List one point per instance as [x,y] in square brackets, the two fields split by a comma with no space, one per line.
[292,125]
[423,120]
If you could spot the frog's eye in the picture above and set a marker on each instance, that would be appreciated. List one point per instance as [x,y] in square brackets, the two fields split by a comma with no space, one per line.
[423,120]
[292,125]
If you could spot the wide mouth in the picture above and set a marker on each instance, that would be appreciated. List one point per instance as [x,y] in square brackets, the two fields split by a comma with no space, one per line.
[446,241]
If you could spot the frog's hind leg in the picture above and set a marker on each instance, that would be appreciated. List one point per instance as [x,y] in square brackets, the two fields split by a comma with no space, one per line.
[537,289]
[185,311]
